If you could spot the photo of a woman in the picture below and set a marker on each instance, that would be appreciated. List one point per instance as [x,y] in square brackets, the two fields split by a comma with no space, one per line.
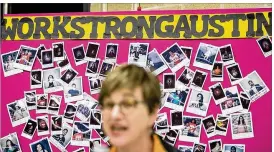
[11,147]
[241,127]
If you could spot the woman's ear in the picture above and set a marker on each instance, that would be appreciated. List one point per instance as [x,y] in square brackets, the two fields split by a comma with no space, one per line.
[153,115]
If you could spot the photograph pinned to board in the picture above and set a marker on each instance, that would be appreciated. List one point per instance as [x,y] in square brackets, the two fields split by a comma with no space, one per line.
[92,51]
[47,59]
[52,81]
[58,49]
[30,98]
[174,57]
[74,91]
[79,54]
[206,56]
[234,73]
[18,112]
[111,52]
[198,102]
[92,68]
[198,80]
[137,54]
[191,130]
[188,52]
[25,58]
[227,54]
[222,122]
[36,77]
[155,63]
[254,86]
[217,73]
[265,45]
[8,60]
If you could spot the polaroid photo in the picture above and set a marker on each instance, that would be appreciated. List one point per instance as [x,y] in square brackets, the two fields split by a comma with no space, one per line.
[199,147]
[10,142]
[206,56]
[234,148]
[138,54]
[54,104]
[191,130]
[58,51]
[111,52]
[36,77]
[209,125]
[30,98]
[254,86]
[95,119]
[69,113]
[74,91]
[8,60]
[106,67]
[80,150]
[68,76]
[161,123]
[92,68]
[101,133]
[79,54]
[81,134]
[56,124]
[232,104]
[41,145]
[169,82]
[43,125]
[174,57]
[177,100]
[93,102]
[185,78]
[265,45]
[93,144]
[221,125]
[62,140]
[176,119]
[227,56]
[42,103]
[18,112]
[188,51]
[198,102]
[183,148]
[217,93]
[25,58]
[52,81]
[29,129]
[47,59]
[64,64]
[246,102]
[155,63]
[198,80]
[39,50]
[241,125]
[171,137]
[84,109]
[215,145]
[234,73]
[92,51]
[217,73]
[95,85]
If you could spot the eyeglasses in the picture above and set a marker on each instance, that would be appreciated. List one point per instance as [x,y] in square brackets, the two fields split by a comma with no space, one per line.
[125,106]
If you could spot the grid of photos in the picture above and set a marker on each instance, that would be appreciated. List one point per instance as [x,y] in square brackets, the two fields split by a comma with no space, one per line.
[74,125]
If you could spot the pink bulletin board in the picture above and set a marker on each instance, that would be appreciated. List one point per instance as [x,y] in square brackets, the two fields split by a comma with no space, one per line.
[246,52]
